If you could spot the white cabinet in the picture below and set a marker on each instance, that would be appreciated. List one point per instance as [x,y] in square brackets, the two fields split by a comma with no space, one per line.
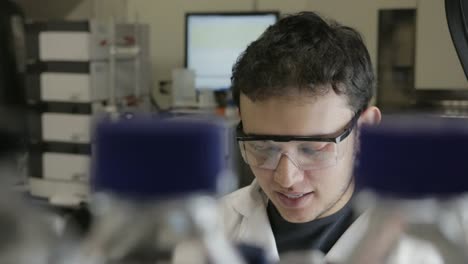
[65,166]
[71,128]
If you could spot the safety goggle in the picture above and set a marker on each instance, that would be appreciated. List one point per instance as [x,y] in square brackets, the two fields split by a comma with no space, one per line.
[306,152]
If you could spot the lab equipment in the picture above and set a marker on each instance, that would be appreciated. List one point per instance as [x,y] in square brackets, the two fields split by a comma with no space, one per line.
[183,88]
[412,175]
[213,41]
[153,188]
[79,71]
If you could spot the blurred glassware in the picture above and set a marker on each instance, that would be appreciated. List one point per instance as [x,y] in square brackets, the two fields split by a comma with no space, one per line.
[413,172]
[154,183]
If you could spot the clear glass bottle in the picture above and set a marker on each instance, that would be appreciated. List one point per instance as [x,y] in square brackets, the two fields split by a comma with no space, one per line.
[26,232]
[26,236]
[154,185]
[412,174]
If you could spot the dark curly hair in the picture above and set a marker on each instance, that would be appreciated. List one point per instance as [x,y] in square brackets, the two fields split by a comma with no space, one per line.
[304,52]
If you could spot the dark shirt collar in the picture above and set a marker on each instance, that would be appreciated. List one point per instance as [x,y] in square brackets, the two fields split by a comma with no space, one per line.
[318,234]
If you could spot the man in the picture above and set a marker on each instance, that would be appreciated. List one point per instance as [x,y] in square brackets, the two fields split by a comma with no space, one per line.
[303,89]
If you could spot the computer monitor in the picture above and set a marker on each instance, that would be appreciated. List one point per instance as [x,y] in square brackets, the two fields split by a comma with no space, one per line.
[214,41]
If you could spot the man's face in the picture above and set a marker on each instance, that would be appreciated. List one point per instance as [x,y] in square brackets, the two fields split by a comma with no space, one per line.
[326,190]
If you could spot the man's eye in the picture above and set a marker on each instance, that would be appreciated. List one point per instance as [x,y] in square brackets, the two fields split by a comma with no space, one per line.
[257,146]
[264,147]
[313,149]
[308,151]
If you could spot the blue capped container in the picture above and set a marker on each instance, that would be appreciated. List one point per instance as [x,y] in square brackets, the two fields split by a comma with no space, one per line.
[412,175]
[153,187]
[147,158]
[414,157]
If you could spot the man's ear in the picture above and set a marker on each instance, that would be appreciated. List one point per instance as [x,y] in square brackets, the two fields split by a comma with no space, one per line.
[371,116]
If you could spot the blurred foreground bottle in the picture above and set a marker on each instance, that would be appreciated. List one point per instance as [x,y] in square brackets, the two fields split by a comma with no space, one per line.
[26,234]
[154,185]
[414,174]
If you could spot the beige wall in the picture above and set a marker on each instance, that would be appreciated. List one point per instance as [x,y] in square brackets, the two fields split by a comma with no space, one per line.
[74,9]
[285,7]
[363,18]
[50,9]
[166,19]
[168,41]
[397,4]
[437,65]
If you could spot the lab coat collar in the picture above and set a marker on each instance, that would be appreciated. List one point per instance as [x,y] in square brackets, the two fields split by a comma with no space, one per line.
[347,243]
[255,227]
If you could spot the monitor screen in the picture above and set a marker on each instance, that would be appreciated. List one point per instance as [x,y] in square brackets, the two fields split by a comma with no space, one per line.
[215,40]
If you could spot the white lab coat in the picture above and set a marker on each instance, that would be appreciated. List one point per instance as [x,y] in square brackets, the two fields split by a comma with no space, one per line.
[245,220]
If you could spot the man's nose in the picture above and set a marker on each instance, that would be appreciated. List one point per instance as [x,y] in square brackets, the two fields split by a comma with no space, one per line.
[287,173]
